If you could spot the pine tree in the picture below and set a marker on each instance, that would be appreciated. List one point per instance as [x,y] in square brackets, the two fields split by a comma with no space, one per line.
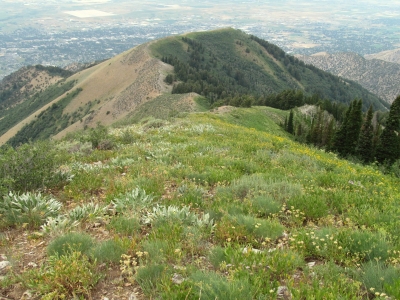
[353,127]
[365,141]
[328,134]
[290,127]
[346,137]
[389,146]
[340,139]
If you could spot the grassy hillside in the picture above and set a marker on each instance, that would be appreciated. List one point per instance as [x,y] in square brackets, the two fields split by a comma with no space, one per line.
[219,205]
[228,62]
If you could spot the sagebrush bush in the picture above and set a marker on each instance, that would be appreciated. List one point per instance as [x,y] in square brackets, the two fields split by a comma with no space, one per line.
[29,208]
[29,167]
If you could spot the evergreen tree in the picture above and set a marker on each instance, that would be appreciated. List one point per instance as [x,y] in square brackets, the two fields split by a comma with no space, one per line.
[290,127]
[327,136]
[346,137]
[389,145]
[340,138]
[365,141]
[353,127]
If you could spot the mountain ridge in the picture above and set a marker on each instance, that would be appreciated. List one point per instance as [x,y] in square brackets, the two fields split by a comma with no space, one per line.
[220,63]
[378,76]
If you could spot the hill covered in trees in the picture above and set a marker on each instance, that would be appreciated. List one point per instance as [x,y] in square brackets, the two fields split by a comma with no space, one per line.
[228,65]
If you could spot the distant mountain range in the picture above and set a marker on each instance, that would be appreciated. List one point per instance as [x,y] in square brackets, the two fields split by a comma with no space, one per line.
[379,73]
[39,102]
[392,56]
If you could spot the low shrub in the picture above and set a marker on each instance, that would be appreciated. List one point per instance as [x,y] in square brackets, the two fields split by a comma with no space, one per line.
[29,167]
[64,276]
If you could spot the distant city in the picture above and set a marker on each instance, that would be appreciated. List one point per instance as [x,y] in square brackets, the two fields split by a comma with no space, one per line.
[87,35]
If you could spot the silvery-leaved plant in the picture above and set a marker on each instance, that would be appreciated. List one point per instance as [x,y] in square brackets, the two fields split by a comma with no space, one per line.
[180,214]
[58,225]
[136,199]
[28,208]
[86,211]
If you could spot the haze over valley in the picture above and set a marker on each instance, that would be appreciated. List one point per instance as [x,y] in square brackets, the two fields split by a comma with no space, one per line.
[62,32]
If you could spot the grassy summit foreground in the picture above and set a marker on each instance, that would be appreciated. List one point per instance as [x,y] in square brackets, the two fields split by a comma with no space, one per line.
[205,206]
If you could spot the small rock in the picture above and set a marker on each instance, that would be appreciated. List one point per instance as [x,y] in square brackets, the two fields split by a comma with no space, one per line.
[106,298]
[177,278]
[4,266]
[311,264]
[133,296]
[26,295]
[32,265]
[3,257]
[284,293]
[246,250]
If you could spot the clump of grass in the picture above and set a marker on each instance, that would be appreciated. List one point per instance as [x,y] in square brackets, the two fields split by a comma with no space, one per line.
[247,229]
[63,276]
[191,196]
[327,279]
[125,225]
[265,206]
[109,251]
[313,206]
[28,208]
[148,277]
[249,186]
[260,228]
[156,249]
[364,245]
[379,278]
[70,242]
[209,285]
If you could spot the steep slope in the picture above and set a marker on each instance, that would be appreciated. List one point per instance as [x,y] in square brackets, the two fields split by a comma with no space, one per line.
[379,77]
[207,206]
[107,93]
[227,62]
[389,56]
[20,85]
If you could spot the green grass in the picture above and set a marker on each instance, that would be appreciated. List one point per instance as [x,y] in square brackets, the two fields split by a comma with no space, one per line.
[229,204]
